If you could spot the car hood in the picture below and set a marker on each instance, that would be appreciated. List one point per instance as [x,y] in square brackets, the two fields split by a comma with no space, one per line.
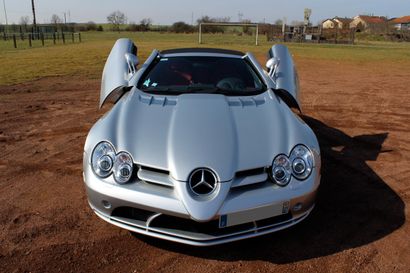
[182,133]
[190,131]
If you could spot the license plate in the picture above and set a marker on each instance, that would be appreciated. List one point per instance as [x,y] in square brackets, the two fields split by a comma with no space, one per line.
[251,215]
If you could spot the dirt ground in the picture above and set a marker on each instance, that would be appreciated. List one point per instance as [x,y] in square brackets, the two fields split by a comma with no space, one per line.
[360,113]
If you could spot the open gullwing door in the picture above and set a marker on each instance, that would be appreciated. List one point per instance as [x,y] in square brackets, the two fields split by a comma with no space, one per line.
[120,66]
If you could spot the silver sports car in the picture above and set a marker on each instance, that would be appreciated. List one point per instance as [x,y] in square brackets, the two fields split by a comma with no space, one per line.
[202,146]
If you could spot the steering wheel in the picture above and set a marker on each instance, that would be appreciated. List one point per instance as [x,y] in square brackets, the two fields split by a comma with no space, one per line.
[231,84]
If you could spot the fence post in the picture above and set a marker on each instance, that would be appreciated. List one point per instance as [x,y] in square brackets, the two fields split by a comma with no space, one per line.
[63,36]
[200,34]
[352,36]
[54,37]
[29,39]
[42,38]
[257,33]
[14,41]
[4,36]
[79,36]
[72,36]
[336,34]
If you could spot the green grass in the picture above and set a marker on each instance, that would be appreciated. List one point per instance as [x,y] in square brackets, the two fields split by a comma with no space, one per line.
[88,58]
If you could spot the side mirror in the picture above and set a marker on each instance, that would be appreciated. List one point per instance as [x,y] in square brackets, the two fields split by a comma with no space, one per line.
[272,65]
[132,62]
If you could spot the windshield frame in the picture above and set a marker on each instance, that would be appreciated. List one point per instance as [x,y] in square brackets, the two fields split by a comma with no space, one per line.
[212,90]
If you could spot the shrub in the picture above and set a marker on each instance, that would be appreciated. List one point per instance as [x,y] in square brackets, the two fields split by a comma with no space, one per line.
[181,27]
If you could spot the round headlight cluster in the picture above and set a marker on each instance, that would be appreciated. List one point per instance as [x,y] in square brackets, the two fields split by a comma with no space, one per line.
[302,162]
[102,159]
[105,162]
[299,165]
[122,168]
[281,170]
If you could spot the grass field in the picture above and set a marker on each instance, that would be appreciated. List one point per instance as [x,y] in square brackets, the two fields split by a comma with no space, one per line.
[23,64]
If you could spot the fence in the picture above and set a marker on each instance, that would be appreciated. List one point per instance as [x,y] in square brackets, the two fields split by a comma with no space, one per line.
[317,34]
[44,28]
[310,34]
[56,37]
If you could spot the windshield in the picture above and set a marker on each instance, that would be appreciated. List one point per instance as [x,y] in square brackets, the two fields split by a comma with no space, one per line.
[222,75]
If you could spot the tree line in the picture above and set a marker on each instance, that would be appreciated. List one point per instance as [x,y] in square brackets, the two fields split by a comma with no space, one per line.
[118,21]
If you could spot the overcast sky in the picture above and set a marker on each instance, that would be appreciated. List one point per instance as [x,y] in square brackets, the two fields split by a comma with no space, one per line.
[169,11]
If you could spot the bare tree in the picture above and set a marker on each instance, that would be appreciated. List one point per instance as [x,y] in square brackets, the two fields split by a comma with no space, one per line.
[213,29]
[24,20]
[205,19]
[116,19]
[56,20]
[145,24]
[247,29]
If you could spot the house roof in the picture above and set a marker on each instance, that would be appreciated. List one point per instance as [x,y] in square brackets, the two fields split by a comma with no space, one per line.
[373,19]
[402,20]
[327,20]
[344,20]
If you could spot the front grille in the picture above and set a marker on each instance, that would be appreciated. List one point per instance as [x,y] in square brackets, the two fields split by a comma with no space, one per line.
[155,176]
[249,177]
[243,179]
[154,170]
[250,172]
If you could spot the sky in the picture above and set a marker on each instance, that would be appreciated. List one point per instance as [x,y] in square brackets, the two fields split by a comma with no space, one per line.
[170,11]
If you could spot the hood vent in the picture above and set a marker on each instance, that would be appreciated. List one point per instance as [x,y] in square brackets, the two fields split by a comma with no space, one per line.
[155,100]
[243,102]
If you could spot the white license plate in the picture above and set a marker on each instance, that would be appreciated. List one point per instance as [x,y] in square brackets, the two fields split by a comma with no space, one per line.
[251,215]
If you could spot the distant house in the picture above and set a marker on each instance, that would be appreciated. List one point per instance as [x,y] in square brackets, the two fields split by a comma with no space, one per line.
[343,23]
[402,23]
[328,23]
[369,23]
[339,22]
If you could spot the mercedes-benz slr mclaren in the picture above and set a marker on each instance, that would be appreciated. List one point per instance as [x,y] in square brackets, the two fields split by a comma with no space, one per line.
[201,146]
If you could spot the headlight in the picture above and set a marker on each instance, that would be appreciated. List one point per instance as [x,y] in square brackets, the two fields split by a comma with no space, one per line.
[122,168]
[105,162]
[302,162]
[102,159]
[281,170]
[299,164]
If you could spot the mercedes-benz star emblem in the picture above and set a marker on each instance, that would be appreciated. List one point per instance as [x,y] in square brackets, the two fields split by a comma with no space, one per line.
[202,182]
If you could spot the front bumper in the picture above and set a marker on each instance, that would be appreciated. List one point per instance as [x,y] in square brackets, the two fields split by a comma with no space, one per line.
[204,238]
[157,211]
